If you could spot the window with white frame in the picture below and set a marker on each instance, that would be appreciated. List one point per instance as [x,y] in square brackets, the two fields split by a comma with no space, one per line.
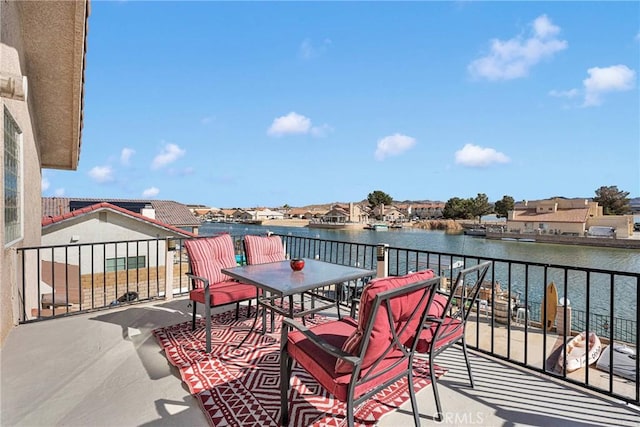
[128,263]
[12,179]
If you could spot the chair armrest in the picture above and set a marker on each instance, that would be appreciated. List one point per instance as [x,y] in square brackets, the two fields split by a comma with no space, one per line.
[354,307]
[319,342]
[193,278]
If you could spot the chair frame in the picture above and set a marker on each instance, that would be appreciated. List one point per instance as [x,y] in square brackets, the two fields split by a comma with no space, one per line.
[442,331]
[246,257]
[206,285]
[207,307]
[428,288]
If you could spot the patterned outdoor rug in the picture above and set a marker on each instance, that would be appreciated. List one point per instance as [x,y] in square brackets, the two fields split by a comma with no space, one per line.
[241,387]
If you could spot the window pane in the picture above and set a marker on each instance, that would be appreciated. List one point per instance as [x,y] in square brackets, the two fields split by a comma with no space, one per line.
[115,264]
[135,262]
[12,177]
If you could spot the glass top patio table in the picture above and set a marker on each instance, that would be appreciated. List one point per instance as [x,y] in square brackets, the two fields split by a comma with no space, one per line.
[280,281]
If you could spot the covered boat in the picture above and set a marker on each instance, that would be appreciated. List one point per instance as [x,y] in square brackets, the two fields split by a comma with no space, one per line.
[580,352]
[624,361]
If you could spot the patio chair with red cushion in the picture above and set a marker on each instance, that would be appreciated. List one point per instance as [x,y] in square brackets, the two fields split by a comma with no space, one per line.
[446,323]
[353,360]
[207,256]
[263,249]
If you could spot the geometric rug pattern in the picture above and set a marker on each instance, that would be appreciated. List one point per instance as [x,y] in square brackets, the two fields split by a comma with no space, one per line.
[241,386]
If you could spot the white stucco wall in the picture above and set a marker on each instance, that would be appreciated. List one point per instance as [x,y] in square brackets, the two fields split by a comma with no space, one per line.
[12,61]
[104,226]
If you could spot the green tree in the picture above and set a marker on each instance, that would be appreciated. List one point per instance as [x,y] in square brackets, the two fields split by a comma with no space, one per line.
[502,207]
[479,206]
[612,200]
[457,208]
[379,197]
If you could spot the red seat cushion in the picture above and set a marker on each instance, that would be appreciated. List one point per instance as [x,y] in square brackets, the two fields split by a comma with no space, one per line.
[451,331]
[207,256]
[438,305]
[401,307]
[263,249]
[321,365]
[224,293]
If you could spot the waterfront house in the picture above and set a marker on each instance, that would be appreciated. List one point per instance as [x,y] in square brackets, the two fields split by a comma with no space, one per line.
[313,213]
[388,213]
[336,215]
[421,210]
[227,214]
[166,211]
[265,214]
[295,213]
[242,215]
[359,212]
[67,273]
[43,46]
[560,216]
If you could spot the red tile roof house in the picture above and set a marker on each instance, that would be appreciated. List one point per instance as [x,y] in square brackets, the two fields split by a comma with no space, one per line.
[129,265]
[165,211]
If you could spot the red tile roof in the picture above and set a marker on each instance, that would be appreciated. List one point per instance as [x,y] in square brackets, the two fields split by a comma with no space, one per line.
[49,220]
[167,211]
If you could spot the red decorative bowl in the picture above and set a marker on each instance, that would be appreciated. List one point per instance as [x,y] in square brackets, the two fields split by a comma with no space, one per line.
[297,264]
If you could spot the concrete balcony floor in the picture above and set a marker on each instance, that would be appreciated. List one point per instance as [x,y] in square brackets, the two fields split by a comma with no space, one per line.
[106,369]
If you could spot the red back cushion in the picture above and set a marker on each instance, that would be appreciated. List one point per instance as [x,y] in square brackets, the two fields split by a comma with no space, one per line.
[209,255]
[263,249]
[401,307]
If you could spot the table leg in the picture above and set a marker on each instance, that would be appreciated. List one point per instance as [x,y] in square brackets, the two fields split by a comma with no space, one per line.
[253,325]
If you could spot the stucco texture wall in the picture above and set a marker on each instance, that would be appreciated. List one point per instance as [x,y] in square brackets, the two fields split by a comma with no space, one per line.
[12,61]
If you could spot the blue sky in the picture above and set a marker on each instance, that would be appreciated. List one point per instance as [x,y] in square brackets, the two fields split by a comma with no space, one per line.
[244,104]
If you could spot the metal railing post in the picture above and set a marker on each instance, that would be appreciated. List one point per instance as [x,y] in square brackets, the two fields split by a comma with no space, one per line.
[382,266]
[170,247]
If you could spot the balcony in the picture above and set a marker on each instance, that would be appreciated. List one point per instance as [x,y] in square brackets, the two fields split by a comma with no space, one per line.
[105,368]
[97,363]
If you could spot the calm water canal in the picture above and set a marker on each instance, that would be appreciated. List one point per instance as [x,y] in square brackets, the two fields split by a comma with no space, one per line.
[438,241]
[573,256]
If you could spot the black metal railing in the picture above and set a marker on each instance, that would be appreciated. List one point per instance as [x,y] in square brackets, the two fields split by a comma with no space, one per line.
[508,321]
[604,302]
[60,280]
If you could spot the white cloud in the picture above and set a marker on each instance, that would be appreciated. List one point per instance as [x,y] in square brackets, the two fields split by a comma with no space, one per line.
[45,184]
[169,154]
[207,120]
[543,28]
[292,123]
[476,156]
[616,78]
[571,93]
[101,174]
[150,192]
[393,145]
[513,58]
[308,51]
[125,155]
[59,192]
[321,131]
